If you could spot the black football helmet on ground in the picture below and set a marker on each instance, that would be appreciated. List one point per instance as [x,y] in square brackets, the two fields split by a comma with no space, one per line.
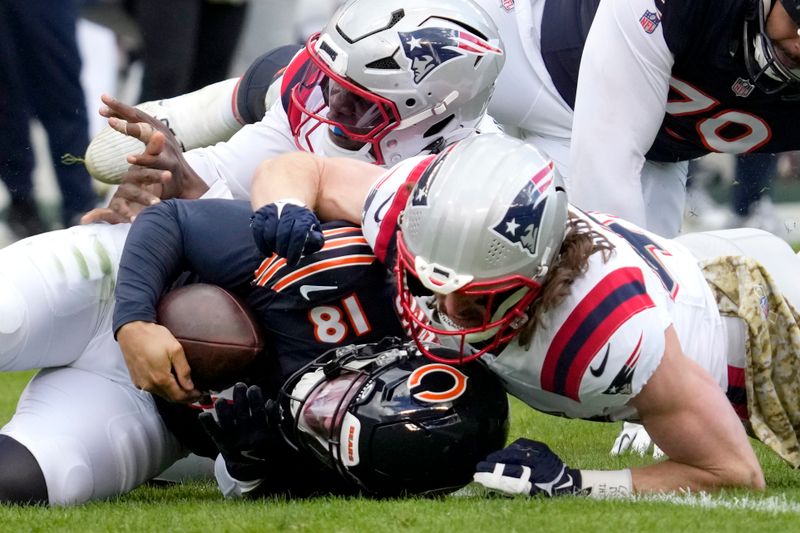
[391,421]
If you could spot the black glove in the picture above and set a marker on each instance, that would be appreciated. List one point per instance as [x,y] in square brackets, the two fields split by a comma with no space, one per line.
[527,467]
[288,230]
[242,431]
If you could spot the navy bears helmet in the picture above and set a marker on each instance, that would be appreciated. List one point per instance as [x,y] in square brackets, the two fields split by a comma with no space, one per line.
[391,421]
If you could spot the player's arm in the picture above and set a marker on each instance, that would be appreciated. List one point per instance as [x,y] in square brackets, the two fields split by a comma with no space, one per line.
[149,167]
[209,238]
[620,102]
[288,189]
[333,187]
[189,122]
[687,415]
[199,118]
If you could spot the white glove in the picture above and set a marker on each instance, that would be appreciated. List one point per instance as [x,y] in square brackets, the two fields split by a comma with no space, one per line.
[229,486]
[634,438]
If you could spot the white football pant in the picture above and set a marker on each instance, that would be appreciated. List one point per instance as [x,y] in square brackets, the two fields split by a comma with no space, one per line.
[92,432]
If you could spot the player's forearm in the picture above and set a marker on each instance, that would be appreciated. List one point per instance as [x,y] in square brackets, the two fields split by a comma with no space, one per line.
[670,476]
[150,262]
[335,188]
[686,413]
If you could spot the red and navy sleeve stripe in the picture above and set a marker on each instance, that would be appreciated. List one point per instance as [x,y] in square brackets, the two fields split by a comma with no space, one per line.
[616,298]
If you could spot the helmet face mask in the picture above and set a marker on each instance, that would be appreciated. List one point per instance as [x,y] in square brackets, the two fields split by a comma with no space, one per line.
[390,421]
[481,228]
[770,69]
[505,304]
[352,112]
[389,73]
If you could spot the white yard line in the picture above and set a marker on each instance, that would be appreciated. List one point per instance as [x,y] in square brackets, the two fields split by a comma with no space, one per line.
[771,505]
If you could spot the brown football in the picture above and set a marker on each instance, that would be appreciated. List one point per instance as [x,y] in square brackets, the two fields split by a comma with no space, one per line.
[220,336]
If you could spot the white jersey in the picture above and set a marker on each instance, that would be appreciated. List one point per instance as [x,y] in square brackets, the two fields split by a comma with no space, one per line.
[597,349]
[618,49]
[598,172]
[525,95]
[233,163]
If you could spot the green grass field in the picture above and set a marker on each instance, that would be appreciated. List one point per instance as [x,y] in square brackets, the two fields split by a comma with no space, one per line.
[199,507]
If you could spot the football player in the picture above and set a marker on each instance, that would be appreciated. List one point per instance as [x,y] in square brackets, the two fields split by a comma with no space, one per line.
[56,305]
[382,82]
[583,315]
[653,91]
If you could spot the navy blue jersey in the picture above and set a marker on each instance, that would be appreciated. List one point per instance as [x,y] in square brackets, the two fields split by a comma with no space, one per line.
[712,106]
[338,296]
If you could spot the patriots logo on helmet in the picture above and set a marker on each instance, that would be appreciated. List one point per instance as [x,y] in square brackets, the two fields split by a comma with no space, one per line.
[429,48]
[520,224]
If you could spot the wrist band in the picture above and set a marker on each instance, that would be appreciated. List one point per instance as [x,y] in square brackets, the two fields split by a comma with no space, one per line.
[603,484]
[280,204]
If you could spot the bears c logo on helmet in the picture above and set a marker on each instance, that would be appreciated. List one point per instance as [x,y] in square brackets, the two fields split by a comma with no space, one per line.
[439,377]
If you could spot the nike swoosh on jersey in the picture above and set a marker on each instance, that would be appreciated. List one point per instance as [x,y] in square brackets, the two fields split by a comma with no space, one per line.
[381,211]
[597,372]
[305,290]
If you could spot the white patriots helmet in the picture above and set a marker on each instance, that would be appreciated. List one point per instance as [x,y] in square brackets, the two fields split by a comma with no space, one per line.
[398,77]
[768,65]
[486,219]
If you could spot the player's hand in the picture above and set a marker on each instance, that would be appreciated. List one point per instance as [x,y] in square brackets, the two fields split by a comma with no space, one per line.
[527,467]
[635,439]
[287,229]
[165,157]
[127,202]
[242,431]
[156,361]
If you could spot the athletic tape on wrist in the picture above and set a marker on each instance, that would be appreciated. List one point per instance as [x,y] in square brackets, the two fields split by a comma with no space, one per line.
[604,484]
[280,204]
